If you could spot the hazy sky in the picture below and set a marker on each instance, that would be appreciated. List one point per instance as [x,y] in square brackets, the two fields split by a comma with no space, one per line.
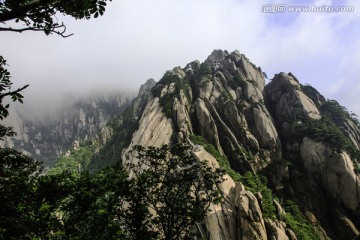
[140,39]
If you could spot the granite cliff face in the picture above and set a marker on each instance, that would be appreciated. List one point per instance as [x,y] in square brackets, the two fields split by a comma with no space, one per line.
[305,145]
[45,138]
[291,156]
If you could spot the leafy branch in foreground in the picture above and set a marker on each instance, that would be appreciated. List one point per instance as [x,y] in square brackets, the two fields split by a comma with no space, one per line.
[179,189]
[5,89]
[41,15]
[168,194]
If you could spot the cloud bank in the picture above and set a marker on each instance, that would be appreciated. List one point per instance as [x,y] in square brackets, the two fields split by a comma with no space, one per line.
[138,39]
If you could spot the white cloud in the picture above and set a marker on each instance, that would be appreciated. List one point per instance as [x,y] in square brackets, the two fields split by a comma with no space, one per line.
[139,39]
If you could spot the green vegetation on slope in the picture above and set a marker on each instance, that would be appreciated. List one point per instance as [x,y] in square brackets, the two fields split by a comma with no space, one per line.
[122,128]
[75,162]
[257,183]
[327,129]
[167,100]
[94,155]
[222,160]
[293,216]
[83,206]
[297,221]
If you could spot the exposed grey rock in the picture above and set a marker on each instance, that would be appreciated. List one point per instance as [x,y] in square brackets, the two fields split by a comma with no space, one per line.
[252,91]
[143,97]
[207,126]
[236,118]
[192,67]
[335,170]
[275,230]
[205,87]
[179,72]
[350,130]
[182,118]
[290,233]
[279,209]
[239,206]
[217,90]
[286,93]
[268,136]
[252,73]
[155,129]
[216,56]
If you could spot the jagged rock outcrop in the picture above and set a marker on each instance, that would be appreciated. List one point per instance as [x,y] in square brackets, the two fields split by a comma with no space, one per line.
[329,169]
[143,97]
[285,91]
[225,100]
[240,215]
[231,88]
[283,131]
[155,129]
[207,125]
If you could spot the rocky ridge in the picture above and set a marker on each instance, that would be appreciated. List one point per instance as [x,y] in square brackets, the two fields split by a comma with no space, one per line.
[283,130]
[291,155]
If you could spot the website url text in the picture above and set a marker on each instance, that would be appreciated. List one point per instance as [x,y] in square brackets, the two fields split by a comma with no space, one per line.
[282,8]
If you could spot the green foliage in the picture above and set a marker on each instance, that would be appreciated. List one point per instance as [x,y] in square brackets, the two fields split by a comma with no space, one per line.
[41,15]
[18,209]
[107,204]
[337,113]
[298,223]
[265,75]
[6,132]
[222,160]
[327,129]
[205,70]
[93,207]
[5,89]
[238,81]
[339,116]
[323,130]
[258,183]
[286,88]
[166,101]
[77,161]
[122,129]
[293,217]
[177,187]
[94,155]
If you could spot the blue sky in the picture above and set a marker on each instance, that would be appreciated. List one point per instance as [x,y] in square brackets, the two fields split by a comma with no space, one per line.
[140,39]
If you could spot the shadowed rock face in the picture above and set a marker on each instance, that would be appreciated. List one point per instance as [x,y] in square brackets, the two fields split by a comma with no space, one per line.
[226,101]
[334,170]
[286,93]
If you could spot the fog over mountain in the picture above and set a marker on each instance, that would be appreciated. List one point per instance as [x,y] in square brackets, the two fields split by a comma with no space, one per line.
[47,129]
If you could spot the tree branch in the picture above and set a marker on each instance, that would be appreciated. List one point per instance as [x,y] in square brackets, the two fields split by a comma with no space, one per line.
[13,92]
[58,32]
